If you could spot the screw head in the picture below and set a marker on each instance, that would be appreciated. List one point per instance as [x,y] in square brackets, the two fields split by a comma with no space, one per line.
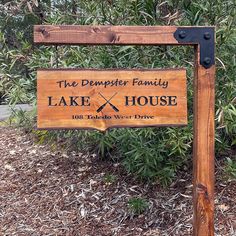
[182,34]
[207,35]
[207,60]
[42,29]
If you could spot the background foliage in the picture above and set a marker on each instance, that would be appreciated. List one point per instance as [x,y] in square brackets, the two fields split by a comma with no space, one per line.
[151,153]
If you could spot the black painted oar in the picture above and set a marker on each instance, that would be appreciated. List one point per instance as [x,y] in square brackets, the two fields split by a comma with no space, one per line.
[107,102]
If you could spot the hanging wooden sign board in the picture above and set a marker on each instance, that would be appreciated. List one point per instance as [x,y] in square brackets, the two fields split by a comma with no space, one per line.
[101,99]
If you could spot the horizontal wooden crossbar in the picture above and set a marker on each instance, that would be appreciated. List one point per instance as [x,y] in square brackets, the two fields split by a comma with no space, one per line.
[129,35]
[104,35]
[107,35]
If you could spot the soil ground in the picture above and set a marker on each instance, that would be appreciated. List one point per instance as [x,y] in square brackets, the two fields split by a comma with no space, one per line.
[45,192]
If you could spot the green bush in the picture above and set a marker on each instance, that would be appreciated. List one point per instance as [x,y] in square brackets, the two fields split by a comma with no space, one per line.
[137,205]
[230,168]
[150,153]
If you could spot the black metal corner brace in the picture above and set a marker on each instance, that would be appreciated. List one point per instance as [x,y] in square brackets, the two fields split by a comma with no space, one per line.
[204,36]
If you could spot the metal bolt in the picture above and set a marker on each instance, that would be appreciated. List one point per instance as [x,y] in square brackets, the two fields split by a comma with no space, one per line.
[207,60]
[207,36]
[182,34]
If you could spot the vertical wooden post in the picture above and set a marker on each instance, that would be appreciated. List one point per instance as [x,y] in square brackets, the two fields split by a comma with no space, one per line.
[203,153]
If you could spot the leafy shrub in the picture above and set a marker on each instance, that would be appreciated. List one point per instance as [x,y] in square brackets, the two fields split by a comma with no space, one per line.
[23,119]
[150,153]
[137,205]
[230,168]
[109,178]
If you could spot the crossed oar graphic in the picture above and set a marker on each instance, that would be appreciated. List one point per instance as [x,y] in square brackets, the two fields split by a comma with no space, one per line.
[107,102]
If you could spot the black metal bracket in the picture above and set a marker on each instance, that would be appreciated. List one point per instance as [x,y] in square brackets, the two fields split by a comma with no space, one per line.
[204,36]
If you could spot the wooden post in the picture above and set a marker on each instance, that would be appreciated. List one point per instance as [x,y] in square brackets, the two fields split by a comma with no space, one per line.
[203,153]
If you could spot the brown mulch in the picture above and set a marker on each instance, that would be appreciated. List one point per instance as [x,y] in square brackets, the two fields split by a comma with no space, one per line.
[45,192]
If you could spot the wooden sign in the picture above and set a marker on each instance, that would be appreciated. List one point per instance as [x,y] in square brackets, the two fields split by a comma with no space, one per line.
[102,99]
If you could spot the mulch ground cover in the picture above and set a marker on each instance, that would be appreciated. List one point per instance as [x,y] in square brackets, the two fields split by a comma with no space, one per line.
[46,192]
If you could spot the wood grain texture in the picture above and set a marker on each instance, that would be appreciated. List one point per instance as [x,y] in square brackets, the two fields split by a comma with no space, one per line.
[104,35]
[131,105]
[204,128]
